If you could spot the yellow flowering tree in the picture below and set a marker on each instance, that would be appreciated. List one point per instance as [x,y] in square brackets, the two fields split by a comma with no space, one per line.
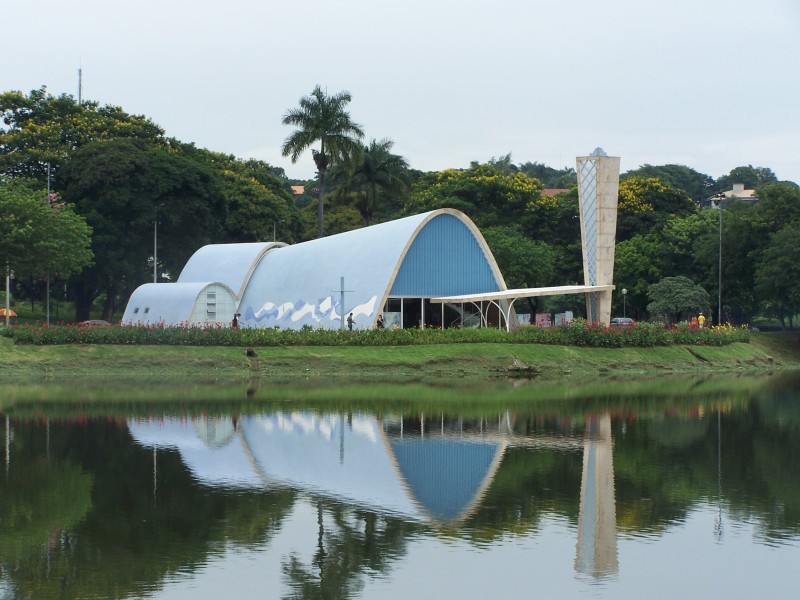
[646,203]
[38,128]
[488,196]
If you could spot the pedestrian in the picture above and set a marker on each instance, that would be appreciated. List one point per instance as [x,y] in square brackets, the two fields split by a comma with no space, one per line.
[694,322]
[235,322]
[350,321]
[379,323]
[701,321]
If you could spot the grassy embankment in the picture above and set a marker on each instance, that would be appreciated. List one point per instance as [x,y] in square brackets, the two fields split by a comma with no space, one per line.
[401,364]
[108,379]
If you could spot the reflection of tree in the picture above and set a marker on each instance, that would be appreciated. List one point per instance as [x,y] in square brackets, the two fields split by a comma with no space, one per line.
[359,543]
[528,485]
[130,539]
[39,501]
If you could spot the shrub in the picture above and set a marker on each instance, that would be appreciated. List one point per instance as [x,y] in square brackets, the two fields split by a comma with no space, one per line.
[576,333]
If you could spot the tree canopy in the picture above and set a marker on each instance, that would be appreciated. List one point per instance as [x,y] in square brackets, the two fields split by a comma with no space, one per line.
[38,237]
[122,187]
[677,298]
[39,129]
[373,181]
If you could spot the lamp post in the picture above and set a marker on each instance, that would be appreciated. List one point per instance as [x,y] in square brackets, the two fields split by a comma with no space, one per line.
[155,247]
[155,244]
[717,202]
[275,229]
[9,277]
[624,293]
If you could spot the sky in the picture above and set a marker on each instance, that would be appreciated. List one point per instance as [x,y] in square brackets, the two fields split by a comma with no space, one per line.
[710,84]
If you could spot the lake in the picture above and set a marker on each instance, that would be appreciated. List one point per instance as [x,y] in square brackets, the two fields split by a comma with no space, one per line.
[655,493]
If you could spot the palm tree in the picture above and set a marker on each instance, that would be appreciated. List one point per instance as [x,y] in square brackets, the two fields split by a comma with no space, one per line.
[374,174]
[322,118]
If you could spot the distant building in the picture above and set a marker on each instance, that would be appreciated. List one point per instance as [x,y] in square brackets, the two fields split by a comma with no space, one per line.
[737,193]
[298,190]
[550,192]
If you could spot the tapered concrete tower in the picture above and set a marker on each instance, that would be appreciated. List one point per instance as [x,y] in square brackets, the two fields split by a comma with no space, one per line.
[598,190]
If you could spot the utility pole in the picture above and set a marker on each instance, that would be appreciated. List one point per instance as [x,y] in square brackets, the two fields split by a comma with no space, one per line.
[48,258]
[341,299]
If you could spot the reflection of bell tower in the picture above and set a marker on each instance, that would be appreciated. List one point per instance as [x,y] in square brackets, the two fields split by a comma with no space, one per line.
[597,522]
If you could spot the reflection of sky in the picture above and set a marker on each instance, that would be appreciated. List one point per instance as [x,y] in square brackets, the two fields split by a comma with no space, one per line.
[686,561]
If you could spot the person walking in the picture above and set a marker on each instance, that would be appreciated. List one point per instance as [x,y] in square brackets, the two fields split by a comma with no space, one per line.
[701,321]
[379,322]
[350,321]
[235,322]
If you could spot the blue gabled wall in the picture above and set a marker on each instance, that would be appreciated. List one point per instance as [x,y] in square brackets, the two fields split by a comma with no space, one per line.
[445,259]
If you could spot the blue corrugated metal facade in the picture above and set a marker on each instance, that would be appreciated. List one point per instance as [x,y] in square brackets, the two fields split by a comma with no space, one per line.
[445,259]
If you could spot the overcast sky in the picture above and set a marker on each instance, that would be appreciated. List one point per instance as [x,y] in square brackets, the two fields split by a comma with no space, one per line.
[711,84]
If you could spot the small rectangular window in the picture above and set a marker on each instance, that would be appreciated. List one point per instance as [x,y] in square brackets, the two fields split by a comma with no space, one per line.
[147,310]
[211,295]
[136,310]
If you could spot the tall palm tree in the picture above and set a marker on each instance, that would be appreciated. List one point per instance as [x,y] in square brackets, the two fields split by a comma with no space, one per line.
[322,118]
[372,176]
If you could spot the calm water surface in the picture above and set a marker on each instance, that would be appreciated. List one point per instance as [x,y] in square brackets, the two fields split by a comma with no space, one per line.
[689,497]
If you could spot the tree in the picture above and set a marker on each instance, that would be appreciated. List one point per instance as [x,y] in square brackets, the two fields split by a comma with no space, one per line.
[698,186]
[646,203]
[743,238]
[523,262]
[38,238]
[40,129]
[551,178]
[679,242]
[779,205]
[777,275]
[338,219]
[372,179]
[121,187]
[677,297]
[257,203]
[637,265]
[486,195]
[322,118]
[752,177]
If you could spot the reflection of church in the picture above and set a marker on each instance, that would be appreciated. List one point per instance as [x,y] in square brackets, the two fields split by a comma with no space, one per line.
[435,470]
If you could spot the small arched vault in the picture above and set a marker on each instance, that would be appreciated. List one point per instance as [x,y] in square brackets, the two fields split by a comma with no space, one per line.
[197,303]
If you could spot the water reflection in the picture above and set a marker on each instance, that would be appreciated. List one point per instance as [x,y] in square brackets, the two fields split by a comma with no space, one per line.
[597,521]
[336,502]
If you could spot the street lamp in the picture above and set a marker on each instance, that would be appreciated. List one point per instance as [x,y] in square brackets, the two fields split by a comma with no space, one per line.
[716,200]
[275,229]
[155,244]
[9,277]
[624,293]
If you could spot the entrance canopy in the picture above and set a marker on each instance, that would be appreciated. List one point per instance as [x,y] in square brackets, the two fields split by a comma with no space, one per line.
[511,295]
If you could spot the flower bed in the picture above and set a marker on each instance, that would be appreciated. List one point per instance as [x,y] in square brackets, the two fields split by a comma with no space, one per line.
[577,333]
